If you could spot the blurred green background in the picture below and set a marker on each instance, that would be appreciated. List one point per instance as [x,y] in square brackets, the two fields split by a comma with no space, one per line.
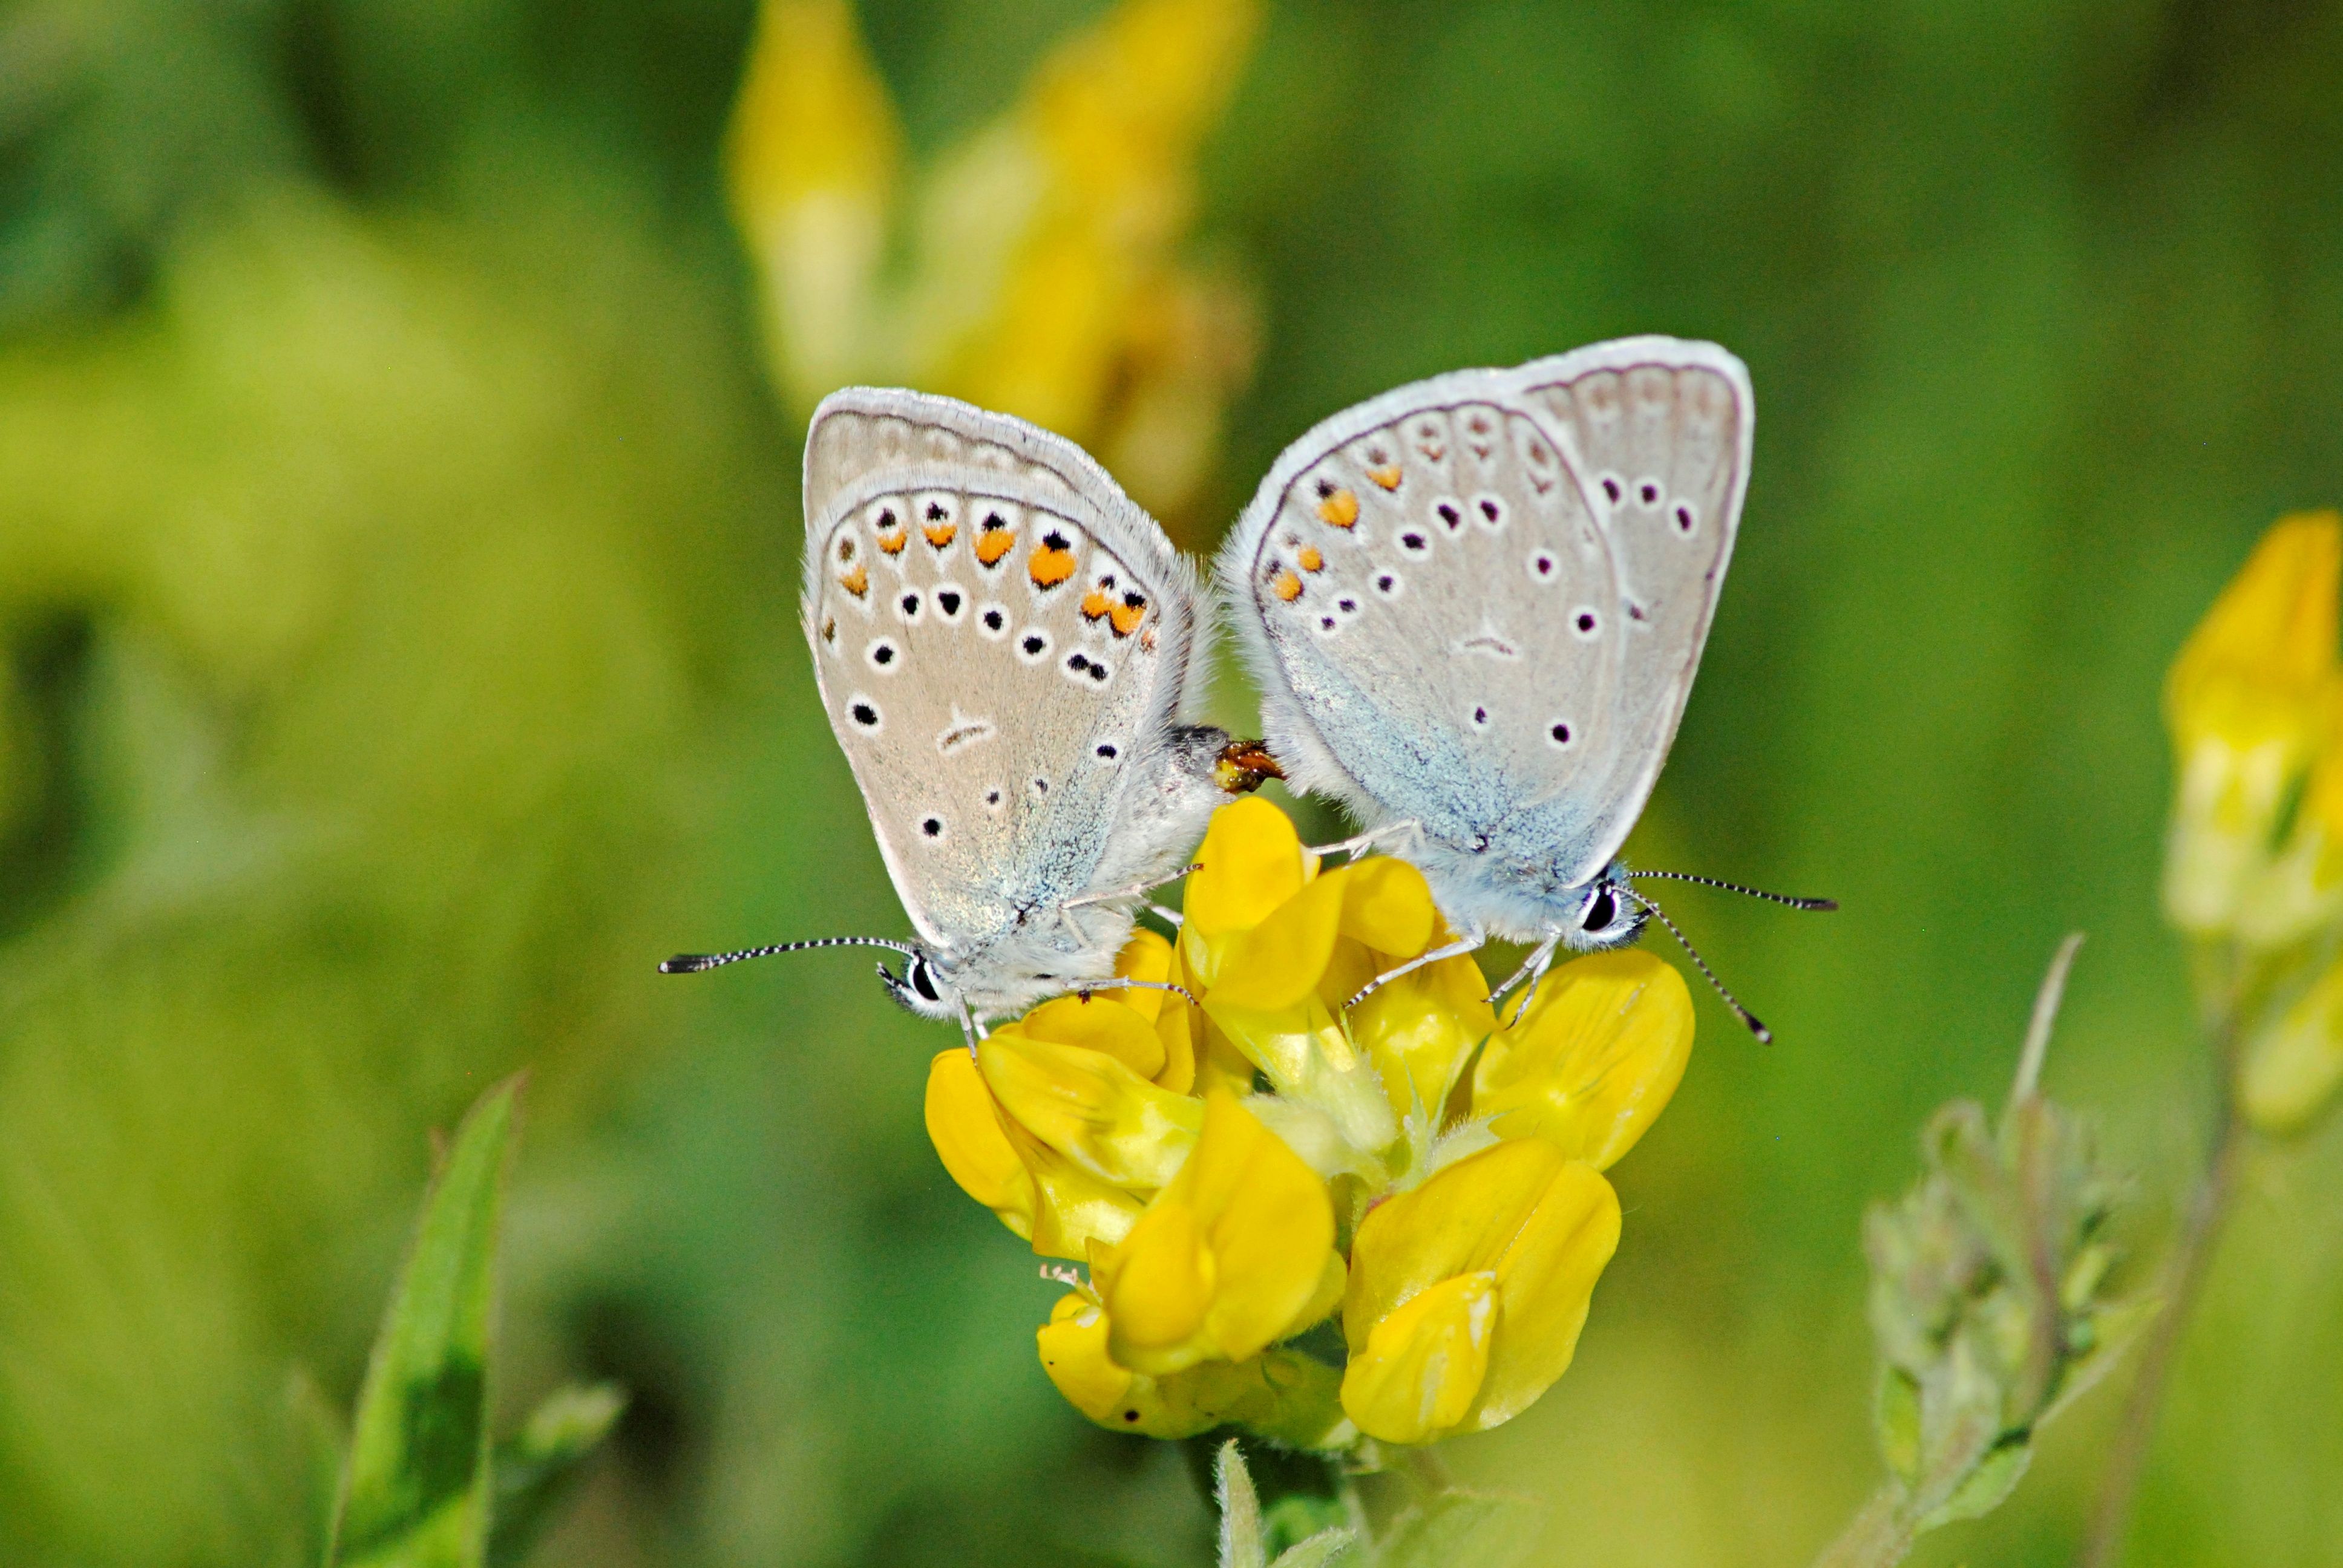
[397,656]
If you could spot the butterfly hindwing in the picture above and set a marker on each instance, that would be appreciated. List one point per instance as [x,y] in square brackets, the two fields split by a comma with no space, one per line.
[999,636]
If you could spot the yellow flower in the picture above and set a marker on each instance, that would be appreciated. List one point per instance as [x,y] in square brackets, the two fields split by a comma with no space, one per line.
[1124,1130]
[2291,1067]
[1467,1294]
[1282,1394]
[1591,1059]
[1041,270]
[1236,1253]
[2248,702]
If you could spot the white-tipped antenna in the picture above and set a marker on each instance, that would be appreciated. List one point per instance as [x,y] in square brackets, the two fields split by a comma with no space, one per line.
[692,964]
[1765,1035]
[1783,898]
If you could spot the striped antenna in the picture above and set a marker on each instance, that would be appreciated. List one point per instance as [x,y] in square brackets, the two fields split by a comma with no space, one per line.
[1783,899]
[692,964]
[1765,1035]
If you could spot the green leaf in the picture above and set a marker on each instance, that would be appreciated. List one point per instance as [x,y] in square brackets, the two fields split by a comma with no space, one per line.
[1464,1530]
[1327,1549]
[1986,1487]
[1240,1542]
[535,1468]
[416,1494]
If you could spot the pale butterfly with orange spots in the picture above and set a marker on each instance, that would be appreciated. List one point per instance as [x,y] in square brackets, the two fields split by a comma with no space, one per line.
[1474,607]
[1003,641]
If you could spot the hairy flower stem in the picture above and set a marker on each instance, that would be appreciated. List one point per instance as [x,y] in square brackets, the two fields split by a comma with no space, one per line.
[2191,1260]
[2185,1272]
[1880,1536]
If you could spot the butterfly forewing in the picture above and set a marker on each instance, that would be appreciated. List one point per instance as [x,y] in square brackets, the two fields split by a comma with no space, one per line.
[992,649]
[1479,601]
[1661,432]
[1417,586]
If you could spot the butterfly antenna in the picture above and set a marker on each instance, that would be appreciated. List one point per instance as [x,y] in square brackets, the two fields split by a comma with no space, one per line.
[692,964]
[1765,1035]
[1783,899]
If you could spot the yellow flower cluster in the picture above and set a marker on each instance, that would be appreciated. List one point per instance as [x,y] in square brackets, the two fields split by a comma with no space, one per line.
[1237,1169]
[1039,258]
[2254,864]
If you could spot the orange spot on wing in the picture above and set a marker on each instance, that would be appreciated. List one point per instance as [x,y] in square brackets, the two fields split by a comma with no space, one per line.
[1096,604]
[856,581]
[1341,508]
[1285,585]
[940,534]
[1127,616]
[1310,560]
[994,543]
[1388,476]
[893,543]
[1049,567]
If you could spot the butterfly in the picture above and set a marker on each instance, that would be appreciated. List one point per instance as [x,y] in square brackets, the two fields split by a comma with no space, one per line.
[1474,607]
[1003,641]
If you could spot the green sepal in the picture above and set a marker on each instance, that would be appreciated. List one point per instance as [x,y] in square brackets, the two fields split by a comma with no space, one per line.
[1487,1530]
[1897,1417]
[1984,1488]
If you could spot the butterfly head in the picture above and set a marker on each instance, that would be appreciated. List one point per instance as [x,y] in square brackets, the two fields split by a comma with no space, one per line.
[1609,915]
[921,988]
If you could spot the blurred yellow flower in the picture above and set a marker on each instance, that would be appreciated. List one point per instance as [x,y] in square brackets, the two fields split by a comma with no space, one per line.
[1460,1160]
[2291,1067]
[1041,271]
[2249,703]
[1468,1293]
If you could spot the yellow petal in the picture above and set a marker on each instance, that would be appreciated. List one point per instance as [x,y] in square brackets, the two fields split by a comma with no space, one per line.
[1387,906]
[1251,861]
[1277,962]
[1228,1256]
[1147,956]
[2268,643]
[1419,1029]
[966,1130]
[1424,1363]
[1592,1058]
[1283,1395]
[1177,1027]
[2291,1070]
[1090,1108]
[1099,1023]
[2250,702]
[1074,1211]
[1542,1225]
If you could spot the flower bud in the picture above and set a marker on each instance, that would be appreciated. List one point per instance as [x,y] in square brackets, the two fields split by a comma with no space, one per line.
[2291,1069]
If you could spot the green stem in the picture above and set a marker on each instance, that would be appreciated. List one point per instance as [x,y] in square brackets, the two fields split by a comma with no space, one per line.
[2191,1260]
[1880,1536]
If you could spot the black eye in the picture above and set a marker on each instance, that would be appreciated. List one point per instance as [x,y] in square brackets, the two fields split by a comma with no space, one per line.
[1599,913]
[924,982]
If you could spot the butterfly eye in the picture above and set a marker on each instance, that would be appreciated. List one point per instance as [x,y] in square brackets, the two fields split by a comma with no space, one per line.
[1599,913]
[923,980]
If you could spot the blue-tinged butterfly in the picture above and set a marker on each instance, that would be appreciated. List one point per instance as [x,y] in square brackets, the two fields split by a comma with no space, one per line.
[1002,640]
[1474,607]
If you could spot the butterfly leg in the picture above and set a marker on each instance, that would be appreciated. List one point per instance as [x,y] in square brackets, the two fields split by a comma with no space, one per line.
[1084,991]
[1533,968]
[970,1030]
[1461,946]
[1169,917]
[1408,829]
[1133,891]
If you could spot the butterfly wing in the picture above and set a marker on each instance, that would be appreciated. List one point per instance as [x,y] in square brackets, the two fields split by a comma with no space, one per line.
[1000,638]
[1454,622]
